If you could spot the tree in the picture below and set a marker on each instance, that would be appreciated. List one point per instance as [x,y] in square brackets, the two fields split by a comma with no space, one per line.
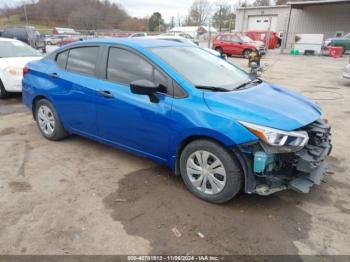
[155,22]
[134,24]
[199,13]
[85,18]
[172,22]
[261,3]
[224,16]
[6,11]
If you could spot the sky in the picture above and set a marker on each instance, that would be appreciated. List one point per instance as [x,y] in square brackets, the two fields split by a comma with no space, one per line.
[142,8]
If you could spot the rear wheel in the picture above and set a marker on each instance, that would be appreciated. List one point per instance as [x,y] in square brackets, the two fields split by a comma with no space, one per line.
[210,171]
[246,53]
[48,121]
[3,92]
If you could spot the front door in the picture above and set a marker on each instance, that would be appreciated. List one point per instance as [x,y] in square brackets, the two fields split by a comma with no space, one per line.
[130,120]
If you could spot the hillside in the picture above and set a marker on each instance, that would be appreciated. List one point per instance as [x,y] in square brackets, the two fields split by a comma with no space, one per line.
[79,14]
[14,20]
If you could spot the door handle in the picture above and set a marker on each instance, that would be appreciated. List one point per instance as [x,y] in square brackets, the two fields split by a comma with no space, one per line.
[105,93]
[53,75]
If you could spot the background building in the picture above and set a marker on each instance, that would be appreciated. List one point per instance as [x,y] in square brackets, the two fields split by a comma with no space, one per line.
[329,17]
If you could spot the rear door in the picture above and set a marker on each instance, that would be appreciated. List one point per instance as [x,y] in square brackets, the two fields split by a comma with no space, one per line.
[227,44]
[75,88]
[237,46]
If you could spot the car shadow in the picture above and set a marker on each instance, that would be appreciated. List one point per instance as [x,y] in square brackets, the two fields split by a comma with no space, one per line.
[154,204]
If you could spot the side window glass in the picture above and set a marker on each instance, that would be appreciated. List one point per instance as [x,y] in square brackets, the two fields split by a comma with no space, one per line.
[227,38]
[61,59]
[125,67]
[178,91]
[162,81]
[82,60]
[235,39]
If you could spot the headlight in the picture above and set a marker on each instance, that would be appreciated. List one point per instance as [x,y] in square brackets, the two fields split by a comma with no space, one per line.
[14,71]
[278,141]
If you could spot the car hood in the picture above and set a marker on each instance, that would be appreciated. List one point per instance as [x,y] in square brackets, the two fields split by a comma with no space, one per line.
[258,43]
[17,61]
[265,104]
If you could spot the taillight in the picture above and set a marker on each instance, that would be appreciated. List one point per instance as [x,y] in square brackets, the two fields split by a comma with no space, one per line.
[25,71]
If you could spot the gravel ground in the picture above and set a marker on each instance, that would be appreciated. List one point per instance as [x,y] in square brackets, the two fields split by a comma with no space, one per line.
[80,197]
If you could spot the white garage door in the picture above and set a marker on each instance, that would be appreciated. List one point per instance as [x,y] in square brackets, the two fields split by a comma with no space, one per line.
[262,22]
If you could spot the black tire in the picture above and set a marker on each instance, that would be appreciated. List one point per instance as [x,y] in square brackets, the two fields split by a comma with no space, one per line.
[58,131]
[234,174]
[344,50]
[219,49]
[246,53]
[3,93]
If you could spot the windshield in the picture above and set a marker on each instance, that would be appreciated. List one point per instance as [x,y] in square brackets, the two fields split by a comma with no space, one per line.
[201,68]
[246,39]
[16,49]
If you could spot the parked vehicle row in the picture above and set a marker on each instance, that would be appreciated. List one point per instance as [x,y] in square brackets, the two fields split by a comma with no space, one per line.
[28,35]
[343,42]
[55,39]
[178,105]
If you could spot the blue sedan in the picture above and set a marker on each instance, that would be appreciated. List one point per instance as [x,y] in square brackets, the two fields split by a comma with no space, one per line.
[209,121]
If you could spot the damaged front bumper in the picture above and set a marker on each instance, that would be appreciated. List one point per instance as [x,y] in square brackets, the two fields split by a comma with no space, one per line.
[298,171]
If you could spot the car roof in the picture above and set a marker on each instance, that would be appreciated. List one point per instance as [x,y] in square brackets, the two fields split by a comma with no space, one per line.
[144,42]
[166,37]
[4,39]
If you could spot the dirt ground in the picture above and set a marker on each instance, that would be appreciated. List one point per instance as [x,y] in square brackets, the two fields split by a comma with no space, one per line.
[80,197]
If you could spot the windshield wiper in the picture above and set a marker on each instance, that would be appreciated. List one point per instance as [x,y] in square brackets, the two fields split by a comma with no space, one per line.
[213,88]
[256,80]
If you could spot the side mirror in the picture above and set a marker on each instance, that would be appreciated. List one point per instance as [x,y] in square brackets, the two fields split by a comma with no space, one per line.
[145,87]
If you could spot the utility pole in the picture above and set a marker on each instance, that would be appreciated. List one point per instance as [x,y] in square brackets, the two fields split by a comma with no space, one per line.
[25,12]
[209,39]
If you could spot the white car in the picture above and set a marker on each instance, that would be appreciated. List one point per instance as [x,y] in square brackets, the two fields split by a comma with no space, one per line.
[139,34]
[14,55]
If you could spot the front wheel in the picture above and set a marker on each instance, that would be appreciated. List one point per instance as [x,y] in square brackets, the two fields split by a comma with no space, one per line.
[48,121]
[3,92]
[210,171]
[246,53]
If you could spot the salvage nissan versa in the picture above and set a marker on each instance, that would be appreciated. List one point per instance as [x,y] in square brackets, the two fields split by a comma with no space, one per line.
[206,119]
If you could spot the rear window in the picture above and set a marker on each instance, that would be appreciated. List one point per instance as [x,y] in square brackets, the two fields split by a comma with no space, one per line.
[82,60]
[61,59]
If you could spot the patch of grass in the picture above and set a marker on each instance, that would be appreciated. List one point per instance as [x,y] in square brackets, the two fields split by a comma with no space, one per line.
[14,20]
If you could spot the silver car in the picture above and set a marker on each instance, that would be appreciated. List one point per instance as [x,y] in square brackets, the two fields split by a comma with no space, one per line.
[346,73]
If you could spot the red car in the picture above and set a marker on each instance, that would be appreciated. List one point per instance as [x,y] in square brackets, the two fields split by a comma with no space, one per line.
[65,41]
[237,44]
[260,35]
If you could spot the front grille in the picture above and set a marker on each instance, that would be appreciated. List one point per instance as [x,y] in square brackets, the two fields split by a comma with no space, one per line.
[317,148]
